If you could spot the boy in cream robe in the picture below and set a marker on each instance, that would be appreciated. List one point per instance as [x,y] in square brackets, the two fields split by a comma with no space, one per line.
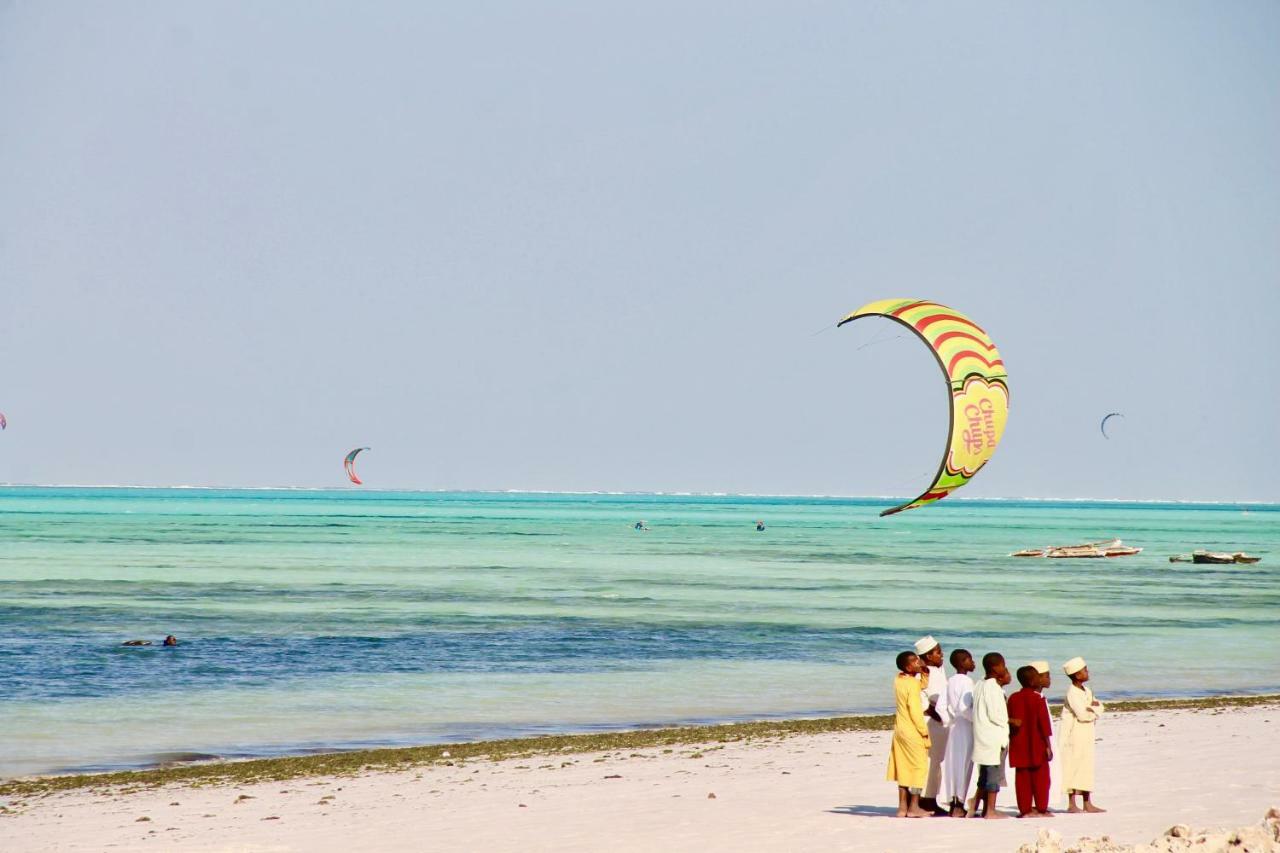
[957,768]
[1080,711]
[990,732]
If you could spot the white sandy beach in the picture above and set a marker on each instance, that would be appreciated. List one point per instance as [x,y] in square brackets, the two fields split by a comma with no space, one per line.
[819,792]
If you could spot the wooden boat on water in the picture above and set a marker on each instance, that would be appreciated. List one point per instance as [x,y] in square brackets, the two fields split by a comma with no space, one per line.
[1089,550]
[1221,557]
[1070,552]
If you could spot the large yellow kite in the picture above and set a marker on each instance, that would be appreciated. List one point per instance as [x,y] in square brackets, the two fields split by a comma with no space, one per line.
[976,383]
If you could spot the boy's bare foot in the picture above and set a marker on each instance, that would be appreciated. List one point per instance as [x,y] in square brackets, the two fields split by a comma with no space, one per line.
[1026,814]
[1044,814]
[995,815]
[901,813]
[1092,809]
[958,811]
[1074,809]
[919,812]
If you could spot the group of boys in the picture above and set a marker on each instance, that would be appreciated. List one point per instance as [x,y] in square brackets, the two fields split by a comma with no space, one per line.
[943,728]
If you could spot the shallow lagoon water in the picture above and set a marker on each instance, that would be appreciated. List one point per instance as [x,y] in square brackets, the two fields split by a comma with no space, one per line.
[332,619]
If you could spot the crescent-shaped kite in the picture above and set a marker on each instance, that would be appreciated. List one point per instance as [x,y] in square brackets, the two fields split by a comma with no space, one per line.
[977,388]
[1103,426]
[350,464]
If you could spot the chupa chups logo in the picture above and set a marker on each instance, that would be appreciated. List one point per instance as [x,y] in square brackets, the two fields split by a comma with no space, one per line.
[980,408]
[982,427]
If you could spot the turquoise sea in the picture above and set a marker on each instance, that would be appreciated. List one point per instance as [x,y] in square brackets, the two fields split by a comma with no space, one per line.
[314,620]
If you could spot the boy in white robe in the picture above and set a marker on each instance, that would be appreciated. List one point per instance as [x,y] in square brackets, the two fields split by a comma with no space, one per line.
[990,733]
[936,717]
[957,766]
[1080,711]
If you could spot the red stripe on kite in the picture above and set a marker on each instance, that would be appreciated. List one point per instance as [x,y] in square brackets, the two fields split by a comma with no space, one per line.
[919,303]
[923,324]
[968,353]
[946,336]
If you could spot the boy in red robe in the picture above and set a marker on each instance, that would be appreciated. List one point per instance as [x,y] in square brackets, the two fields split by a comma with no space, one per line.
[1030,744]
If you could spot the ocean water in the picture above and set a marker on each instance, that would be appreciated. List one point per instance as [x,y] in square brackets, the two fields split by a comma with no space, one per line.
[315,620]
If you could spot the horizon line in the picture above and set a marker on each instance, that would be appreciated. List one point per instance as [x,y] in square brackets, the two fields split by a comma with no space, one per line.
[620,493]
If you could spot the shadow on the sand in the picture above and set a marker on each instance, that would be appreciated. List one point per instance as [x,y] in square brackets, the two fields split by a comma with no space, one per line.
[865,811]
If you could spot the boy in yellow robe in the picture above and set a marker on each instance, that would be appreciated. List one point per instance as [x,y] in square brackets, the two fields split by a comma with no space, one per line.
[909,755]
[1080,711]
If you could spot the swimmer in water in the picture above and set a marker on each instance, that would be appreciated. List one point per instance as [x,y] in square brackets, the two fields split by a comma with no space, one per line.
[760,526]
[640,525]
[171,640]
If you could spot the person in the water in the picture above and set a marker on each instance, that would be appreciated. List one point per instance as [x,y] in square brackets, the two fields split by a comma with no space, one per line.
[640,525]
[760,526]
[169,640]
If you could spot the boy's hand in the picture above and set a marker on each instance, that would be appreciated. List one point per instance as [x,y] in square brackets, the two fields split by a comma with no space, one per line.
[1048,751]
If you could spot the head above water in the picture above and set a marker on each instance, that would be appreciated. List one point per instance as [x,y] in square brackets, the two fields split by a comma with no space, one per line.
[908,663]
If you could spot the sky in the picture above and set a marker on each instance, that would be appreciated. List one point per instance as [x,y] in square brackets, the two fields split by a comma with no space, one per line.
[602,246]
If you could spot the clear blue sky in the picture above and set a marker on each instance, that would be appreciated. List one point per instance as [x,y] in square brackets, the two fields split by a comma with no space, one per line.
[588,245]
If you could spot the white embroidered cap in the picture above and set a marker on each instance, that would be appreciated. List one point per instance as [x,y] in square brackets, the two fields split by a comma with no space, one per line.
[925,645]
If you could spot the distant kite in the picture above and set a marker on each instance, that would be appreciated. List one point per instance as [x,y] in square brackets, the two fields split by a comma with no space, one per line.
[350,464]
[977,388]
[1103,426]
[3,423]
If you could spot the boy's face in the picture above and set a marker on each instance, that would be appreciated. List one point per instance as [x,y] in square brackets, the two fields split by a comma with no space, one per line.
[1044,680]
[1001,674]
[933,657]
[913,665]
[1081,677]
[964,664]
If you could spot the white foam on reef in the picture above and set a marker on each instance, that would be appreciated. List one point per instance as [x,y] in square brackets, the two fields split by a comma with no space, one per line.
[339,489]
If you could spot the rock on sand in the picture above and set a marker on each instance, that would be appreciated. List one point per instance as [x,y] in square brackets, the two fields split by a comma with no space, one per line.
[1262,837]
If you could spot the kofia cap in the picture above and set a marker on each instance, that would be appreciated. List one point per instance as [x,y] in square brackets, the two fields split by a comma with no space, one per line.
[926,644]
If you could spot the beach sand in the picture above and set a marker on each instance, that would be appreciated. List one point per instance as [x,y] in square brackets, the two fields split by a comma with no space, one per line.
[1217,767]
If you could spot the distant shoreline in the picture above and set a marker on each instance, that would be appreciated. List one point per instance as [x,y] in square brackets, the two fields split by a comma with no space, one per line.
[354,762]
[349,490]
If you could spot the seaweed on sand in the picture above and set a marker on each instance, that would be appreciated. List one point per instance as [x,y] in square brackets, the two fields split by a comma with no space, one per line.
[363,761]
